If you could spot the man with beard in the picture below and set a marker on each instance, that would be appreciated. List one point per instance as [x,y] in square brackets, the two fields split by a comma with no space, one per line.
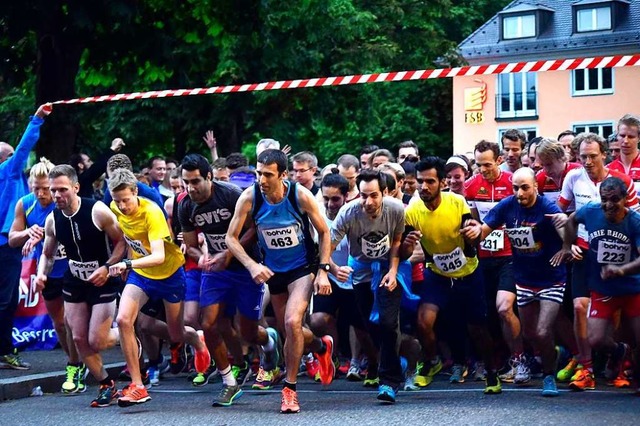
[540,278]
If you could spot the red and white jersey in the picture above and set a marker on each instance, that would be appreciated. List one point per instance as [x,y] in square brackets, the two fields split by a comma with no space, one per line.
[633,171]
[579,187]
[548,188]
[483,195]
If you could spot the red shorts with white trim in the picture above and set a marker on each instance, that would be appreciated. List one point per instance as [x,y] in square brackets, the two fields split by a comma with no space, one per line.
[605,307]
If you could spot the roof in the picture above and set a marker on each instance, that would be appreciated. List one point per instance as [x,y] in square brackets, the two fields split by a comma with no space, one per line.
[557,40]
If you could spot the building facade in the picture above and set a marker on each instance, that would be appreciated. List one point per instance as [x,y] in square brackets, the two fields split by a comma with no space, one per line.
[547,103]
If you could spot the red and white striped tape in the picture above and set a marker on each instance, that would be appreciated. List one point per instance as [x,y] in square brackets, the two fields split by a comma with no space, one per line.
[505,68]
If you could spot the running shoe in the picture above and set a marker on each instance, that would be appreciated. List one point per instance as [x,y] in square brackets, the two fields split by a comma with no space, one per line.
[289,403]
[201,379]
[409,382]
[271,359]
[492,384]
[107,395]
[133,395]
[565,374]
[386,394]
[480,373]
[241,374]
[13,361]
[620,382]
[154,375]
[433,368]
[354,374]
[267,379]
[549,387]
[342,368]
[70,384]
[371,380]
[178,358]
[202,359]
[583,380]
[327,367]
[523,371]
[227,395]
[312,366]
[458,373]
[81,376]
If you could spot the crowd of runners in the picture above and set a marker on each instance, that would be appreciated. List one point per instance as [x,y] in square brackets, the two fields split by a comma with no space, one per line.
[518,261]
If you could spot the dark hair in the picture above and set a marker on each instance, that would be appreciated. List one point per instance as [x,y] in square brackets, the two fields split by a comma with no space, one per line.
[347,161]
[119,161]
[219,163]
[591,138]
[432,162]
[368,149]
[171,160]
[485,145]
[409,167]
[390,180]
[614,184]
[193,162]
[154,158]
[272,156]
[64,170]
[515,135]
[75,159]
[371,175]
[236,160]
[566,133]
[335,180]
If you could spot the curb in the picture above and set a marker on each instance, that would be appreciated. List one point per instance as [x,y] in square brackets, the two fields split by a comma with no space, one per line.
[21,387]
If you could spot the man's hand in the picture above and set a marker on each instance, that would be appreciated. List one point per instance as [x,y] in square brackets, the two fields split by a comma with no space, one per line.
[99,276]
[471,230]
[576,252]
[611,271]
[412,239]
[389,281]
[321,284]
[559,220]
[36,232]
[560,257]
[210,140]
[117,269]
[343,273]
[41,281]
[286,149]
[44,110]
[117,144]
[260,273]
[217,262]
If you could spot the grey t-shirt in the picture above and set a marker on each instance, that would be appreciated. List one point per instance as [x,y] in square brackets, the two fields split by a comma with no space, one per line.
[369,239]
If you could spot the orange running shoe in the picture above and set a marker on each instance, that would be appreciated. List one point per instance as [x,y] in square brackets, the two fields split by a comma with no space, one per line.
[583,380]
[327,367]
[134,395]
[289,402]
[203,357]
[620,382]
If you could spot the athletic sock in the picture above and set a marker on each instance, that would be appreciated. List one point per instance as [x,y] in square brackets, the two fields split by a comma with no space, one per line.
[106,382]
[227,377]
[289,385]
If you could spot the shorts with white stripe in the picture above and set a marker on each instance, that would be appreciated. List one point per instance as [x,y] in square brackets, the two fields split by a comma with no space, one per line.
[526,295]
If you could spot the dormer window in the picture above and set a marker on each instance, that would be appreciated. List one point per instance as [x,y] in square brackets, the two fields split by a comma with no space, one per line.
[519,26]
[593,19]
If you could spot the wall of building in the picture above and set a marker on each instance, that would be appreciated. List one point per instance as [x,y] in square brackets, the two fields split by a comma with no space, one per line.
[558,110]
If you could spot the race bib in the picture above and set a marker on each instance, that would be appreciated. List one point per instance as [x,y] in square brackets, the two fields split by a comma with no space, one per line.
[216,242]
[450,262]
[521,238]
[281,238]
[484,207]
[83,270]
[494,241]
[613,253]
[376,250]
[61,253]
[137,246]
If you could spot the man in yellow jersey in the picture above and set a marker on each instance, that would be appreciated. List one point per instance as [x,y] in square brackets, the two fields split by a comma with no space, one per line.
[155,272]
[441,222]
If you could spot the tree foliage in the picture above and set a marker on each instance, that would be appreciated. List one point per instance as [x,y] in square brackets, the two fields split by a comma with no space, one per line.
[59,49]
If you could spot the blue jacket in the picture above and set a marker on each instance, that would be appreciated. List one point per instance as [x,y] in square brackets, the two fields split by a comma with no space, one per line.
[13,181]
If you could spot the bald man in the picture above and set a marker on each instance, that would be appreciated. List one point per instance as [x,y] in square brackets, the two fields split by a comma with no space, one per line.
[539,275]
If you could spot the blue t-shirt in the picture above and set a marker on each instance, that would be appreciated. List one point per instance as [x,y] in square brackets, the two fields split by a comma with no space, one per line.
[533,238]
[610,243]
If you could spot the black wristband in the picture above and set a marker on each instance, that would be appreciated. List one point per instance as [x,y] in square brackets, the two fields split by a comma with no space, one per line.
[127,263]
[107,265]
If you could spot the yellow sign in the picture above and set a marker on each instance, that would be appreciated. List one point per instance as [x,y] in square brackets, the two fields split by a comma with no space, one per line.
[474,117]
[474,97]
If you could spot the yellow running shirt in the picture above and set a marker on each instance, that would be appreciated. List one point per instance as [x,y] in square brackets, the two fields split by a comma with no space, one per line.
[441,239]
[148,224]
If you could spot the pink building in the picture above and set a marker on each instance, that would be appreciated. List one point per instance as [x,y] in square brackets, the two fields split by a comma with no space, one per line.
[547,103]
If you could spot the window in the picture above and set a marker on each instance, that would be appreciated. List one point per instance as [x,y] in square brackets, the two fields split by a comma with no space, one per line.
[603,129]
[518,26]
[593,19]
[597,81]
[517,96]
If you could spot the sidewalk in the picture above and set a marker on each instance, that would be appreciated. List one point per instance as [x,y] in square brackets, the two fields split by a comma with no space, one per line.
[48,371]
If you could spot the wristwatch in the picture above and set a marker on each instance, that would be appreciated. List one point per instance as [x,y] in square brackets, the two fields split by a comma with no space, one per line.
[324,267]
[127,263]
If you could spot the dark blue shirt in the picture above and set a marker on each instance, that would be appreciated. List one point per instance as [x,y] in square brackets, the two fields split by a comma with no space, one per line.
[533,238]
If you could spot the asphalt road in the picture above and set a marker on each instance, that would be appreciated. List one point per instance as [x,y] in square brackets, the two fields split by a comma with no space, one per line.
[175,402]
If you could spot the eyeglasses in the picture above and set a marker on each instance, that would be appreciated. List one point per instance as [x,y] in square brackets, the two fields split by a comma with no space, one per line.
[300,171]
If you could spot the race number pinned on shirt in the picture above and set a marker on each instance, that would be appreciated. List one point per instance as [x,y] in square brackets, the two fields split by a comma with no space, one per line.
[61,253]
[216,242]
[83,270]
[613,253]
[494,241]
[375,250]
[521,238]
[281,238]
[450,262]
[137,246]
